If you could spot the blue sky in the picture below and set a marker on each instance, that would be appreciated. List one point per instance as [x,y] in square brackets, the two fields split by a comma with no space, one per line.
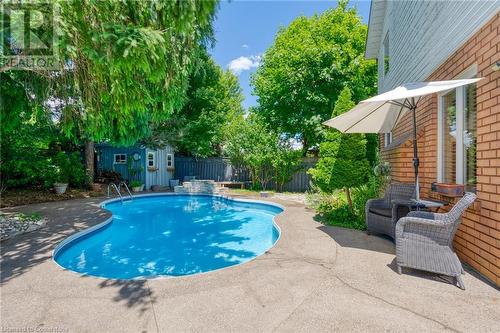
[245,29]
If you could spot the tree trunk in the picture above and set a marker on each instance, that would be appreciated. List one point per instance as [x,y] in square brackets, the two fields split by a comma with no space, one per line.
[304,147]
[89,160]
[349,200]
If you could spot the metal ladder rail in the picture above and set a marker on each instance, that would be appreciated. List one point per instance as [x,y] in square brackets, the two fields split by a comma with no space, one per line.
[128,190]
[113,185]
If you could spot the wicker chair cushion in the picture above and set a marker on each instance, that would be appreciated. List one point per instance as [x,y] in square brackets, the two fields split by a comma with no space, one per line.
[387,212]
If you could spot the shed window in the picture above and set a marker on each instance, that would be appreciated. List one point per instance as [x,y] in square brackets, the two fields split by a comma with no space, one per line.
[458,137]
[120,158]
[170,160]
[151,160]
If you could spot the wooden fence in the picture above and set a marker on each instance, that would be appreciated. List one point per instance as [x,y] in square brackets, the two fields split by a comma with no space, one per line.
[220,169]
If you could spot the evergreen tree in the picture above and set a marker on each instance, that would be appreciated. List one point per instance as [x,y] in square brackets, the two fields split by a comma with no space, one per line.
[343,163]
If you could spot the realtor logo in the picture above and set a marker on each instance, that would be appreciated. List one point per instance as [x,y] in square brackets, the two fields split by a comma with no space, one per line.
[28,35]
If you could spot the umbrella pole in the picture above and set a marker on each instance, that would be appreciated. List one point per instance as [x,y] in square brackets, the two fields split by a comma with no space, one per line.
[416,161]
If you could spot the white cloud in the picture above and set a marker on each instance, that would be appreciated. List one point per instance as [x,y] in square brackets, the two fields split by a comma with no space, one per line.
[242,63]
[245,46]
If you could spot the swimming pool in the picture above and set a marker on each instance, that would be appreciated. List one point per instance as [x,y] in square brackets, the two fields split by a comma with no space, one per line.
[171,235]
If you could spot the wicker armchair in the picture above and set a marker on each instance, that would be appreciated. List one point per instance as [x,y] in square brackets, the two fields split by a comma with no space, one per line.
[383,214]
[424,240]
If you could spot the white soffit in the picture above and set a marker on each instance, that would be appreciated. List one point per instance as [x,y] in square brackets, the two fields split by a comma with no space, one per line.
[375,28]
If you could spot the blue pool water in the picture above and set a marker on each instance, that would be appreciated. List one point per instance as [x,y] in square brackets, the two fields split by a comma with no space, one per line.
[172,235]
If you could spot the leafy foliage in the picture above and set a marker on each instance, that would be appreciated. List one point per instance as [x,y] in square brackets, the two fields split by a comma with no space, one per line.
[303,73]
[128,63]
[26,132]
[285,163]
[135,183]
[333,208]
[343,163]
[361,194]
[213,99]
[125,67]
[252,144]
[68,168]
[265,153]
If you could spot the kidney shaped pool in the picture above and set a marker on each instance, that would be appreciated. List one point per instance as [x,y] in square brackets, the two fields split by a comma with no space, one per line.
[171,235]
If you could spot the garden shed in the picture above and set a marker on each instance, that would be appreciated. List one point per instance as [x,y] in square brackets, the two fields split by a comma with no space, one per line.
[149,166]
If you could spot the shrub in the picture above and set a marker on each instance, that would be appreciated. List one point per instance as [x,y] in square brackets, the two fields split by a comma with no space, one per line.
[68,168]
[363,193]
[333,209]
[285,163]
[135,183]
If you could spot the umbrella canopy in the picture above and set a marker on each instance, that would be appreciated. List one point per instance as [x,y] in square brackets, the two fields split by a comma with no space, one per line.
[381,113]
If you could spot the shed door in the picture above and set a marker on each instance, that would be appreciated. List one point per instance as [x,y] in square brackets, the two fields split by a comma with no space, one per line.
[151,168]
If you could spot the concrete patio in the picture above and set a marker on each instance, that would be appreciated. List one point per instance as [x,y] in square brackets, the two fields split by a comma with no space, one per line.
[316,278]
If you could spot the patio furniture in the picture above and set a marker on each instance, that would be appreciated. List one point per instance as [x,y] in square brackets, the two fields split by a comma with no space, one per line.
[426,205]
[383,214]
[424,240]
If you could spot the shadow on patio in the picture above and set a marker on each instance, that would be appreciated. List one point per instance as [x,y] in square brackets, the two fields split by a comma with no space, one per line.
[134,293]
[358,239]
[64,218]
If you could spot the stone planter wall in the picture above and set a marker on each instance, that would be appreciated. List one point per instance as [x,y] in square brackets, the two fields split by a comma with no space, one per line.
[198,186]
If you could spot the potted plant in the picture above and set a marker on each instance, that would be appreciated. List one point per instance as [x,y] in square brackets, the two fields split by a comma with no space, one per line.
[61,183]
[62,172]
[136,185]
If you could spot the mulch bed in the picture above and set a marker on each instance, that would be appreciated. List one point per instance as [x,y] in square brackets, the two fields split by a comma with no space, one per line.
[18,197]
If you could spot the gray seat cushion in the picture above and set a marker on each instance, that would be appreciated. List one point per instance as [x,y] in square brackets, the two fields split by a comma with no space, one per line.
[387,212]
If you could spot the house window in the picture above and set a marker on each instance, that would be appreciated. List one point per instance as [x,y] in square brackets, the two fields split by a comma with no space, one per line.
[170,160]
[386,53]
[387,139]
[120,159]
[151,160]
[470,138]
[449,147]
[457,137]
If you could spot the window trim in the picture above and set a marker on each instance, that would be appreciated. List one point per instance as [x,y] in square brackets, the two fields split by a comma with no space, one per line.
[385,54]
[387,139]
[171,164]
[469,73]
[121,162]
[151,153]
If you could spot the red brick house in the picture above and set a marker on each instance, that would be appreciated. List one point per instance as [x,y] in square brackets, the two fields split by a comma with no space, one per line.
[445,40]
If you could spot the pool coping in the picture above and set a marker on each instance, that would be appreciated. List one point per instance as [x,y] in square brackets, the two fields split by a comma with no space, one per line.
[106,222]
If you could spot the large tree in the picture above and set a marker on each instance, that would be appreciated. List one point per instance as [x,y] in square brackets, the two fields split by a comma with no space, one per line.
[129,62]
[214,98]
[125,67]
[303,72]
[251,144]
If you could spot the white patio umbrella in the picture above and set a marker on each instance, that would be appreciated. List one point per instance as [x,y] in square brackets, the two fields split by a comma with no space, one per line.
[381,113]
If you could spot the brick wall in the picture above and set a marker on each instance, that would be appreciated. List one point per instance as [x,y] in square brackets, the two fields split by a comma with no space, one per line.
[477,241]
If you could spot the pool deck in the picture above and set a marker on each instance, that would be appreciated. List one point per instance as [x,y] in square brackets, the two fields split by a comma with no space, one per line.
[316,278]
